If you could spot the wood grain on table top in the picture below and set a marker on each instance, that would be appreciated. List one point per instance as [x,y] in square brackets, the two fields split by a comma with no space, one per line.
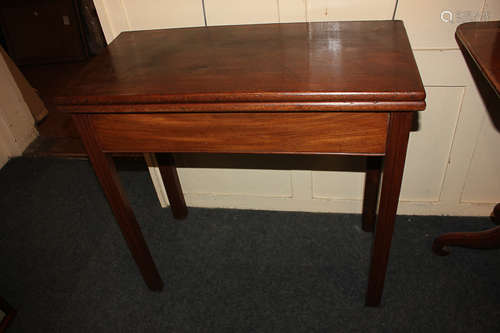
[482,41]
[341,63]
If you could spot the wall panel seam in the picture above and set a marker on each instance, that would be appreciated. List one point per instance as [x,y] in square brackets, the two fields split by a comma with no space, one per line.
[395,10]
[204,12]
[483,9]
[452,145]
[469,166]
[278,8]
[125,11]
[306,11]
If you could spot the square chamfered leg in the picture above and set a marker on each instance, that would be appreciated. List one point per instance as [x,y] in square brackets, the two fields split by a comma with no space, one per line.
[397,143]
[172,184]
[370,199]
[105,170]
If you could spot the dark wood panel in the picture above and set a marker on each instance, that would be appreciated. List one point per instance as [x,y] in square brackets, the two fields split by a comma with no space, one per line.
[295,62]
[341,132]
[43,31]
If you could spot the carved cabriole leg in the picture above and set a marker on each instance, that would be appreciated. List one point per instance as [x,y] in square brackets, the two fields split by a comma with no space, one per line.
[370,201]
[397,142]
[172,185]
[105,170]
[487,239]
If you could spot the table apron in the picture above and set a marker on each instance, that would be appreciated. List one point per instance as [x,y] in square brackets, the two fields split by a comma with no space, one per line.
[257,132]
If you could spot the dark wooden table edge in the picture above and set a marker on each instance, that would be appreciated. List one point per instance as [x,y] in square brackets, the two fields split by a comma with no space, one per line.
[465,47]
[385,106]
[243,97]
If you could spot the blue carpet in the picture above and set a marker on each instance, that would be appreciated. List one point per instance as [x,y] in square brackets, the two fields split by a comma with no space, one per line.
[65,266]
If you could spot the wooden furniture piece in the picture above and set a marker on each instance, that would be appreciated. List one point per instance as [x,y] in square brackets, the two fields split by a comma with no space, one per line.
[9,313]
[480,44]
[43,31]
[301,88]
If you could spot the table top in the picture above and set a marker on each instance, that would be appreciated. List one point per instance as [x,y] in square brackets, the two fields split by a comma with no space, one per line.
[324,66]
[482,41]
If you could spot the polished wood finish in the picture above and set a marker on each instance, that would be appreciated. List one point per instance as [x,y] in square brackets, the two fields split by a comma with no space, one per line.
[172,185]
[108,177]
[481,41]
[327,66]
[247,107]
[360,133]
[307,88]
[480,44]
[370,200]
[10,314]
[397,142]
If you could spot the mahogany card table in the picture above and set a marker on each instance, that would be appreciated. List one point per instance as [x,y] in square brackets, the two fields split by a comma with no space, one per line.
[300,88]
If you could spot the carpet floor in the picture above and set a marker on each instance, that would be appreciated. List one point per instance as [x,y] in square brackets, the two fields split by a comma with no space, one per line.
[65,267]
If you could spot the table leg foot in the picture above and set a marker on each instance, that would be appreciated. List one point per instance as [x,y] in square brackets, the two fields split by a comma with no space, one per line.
[370,200]
[487,239]
[397,142]
[172,186]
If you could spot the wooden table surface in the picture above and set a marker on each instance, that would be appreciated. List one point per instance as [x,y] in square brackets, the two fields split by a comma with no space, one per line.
[296,66]
[302,88]
[482,41]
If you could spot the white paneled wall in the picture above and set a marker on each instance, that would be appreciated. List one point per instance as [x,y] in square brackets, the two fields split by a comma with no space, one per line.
[424,20]
[292,10]
[483,183]
[349,10]
[491,10]
[160,14]
[430,146]
[222,12]
[264,183]
[453,157]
